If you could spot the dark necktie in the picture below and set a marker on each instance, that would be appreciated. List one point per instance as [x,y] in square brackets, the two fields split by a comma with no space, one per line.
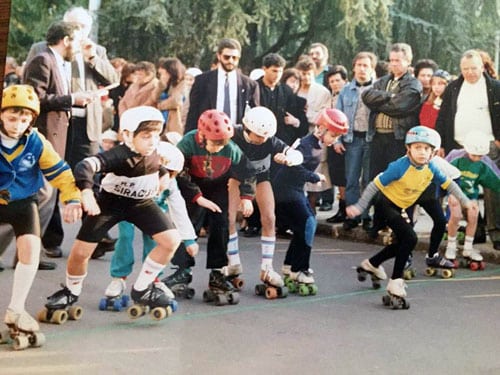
[227,107]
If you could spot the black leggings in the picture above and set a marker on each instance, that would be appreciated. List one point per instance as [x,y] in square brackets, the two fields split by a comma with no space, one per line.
[406,238]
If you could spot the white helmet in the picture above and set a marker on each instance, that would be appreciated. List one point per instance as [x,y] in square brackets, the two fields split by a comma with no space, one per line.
[477,143]
[131,118]
[173,157]
[110,135]
[173,137]
[261,121]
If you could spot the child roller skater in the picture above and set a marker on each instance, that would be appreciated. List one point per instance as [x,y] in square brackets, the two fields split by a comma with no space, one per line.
[399,187]
[132,179]
[210,156]
[257,141]
[26,157]
[476,169]
[292,206]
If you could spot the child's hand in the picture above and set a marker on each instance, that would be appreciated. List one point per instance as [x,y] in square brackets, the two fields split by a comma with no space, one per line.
[89,203]
[72,212]
[208,204]
[246,207]
[352,211]
[291,120]
[280,158]
[192,249]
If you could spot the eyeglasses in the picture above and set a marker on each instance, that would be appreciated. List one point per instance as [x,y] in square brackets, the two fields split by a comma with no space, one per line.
[229,57]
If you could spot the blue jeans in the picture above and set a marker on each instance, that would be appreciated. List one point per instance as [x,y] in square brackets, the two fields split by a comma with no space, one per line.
[357,165]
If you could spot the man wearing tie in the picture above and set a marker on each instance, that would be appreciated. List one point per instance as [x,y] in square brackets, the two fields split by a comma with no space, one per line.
[224,88]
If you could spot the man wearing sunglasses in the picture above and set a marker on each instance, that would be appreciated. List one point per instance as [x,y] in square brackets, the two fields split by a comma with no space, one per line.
[224,88]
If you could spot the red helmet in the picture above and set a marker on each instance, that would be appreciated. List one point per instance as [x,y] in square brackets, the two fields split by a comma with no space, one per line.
[333,119]
[215,125]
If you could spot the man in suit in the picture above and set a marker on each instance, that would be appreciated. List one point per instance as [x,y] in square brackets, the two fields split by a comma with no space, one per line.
[90,69]
[224,88]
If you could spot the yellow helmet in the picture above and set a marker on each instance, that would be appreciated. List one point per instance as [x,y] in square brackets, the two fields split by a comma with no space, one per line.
[23,96]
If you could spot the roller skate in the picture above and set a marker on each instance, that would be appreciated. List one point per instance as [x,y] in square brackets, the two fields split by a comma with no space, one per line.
[114,297]
[377,274]
[152,300]
[286,269]
[451,255]
[439,265]
[396,293]
[59,308]
[232,273]
[220,290]
[272,287]
[179,281]
[472,259]
[23,331]
[409,272]
[302,282]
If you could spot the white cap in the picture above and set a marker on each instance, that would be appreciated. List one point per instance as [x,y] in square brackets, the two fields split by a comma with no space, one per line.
[110,135]
[174,158]
[256,74]
[193,72]
[131,118]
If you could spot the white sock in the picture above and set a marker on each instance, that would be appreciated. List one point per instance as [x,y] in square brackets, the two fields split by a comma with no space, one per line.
[233,251]
[268,244]
[468,242]
[75,283]
[452,242]
[149,271]
[24,275]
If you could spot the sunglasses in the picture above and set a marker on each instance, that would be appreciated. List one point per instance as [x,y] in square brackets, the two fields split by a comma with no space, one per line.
[229,57]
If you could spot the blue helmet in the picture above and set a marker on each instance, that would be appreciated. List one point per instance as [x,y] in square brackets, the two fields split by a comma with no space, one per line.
[423,134]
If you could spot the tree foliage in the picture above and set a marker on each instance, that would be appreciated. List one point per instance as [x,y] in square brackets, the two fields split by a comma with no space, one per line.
[189,29]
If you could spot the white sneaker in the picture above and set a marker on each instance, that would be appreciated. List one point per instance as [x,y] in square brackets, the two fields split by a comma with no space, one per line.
[161,285]
[378,272]
[116,287]
[451,252]
[473,254]
[302,277]
[397,287]
[272,277]
[286,269]
[232,270]
[22,321]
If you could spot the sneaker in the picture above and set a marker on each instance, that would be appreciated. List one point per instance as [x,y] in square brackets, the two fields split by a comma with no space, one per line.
[451,252]
[397,287]
[438,261]
[304,277]
[378,272]
[61,299]
[271,277]
[180,276]
[151,296]
[22,321]
[165,289]
[473,254]
[116,287]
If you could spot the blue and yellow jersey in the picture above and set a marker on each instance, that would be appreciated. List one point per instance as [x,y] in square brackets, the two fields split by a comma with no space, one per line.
[23,166]
[402,182]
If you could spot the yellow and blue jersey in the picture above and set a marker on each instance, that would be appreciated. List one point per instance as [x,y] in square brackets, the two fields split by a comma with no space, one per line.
[23,167]
[403,183]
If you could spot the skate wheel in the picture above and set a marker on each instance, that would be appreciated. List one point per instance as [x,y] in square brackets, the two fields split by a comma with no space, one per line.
[260,289]
[208,296]
[283,292]
[455,263]
[482,265]
[361,274]
[4,336]
[238,283]
[271,293]
[125,300]
[303,290]
[405,305]
[189,294]
[234,298]
[447,274]
[37,340]
[42,315]
[75,312]
[376,284]
[103,304]
[220,300]
[158,313]
[463,263]
[169,311]
[135,312]
[474,266]
[59,317]
[386,300]
[20,342]
[117,305]
[313,289]
[430,271]
[287,280]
